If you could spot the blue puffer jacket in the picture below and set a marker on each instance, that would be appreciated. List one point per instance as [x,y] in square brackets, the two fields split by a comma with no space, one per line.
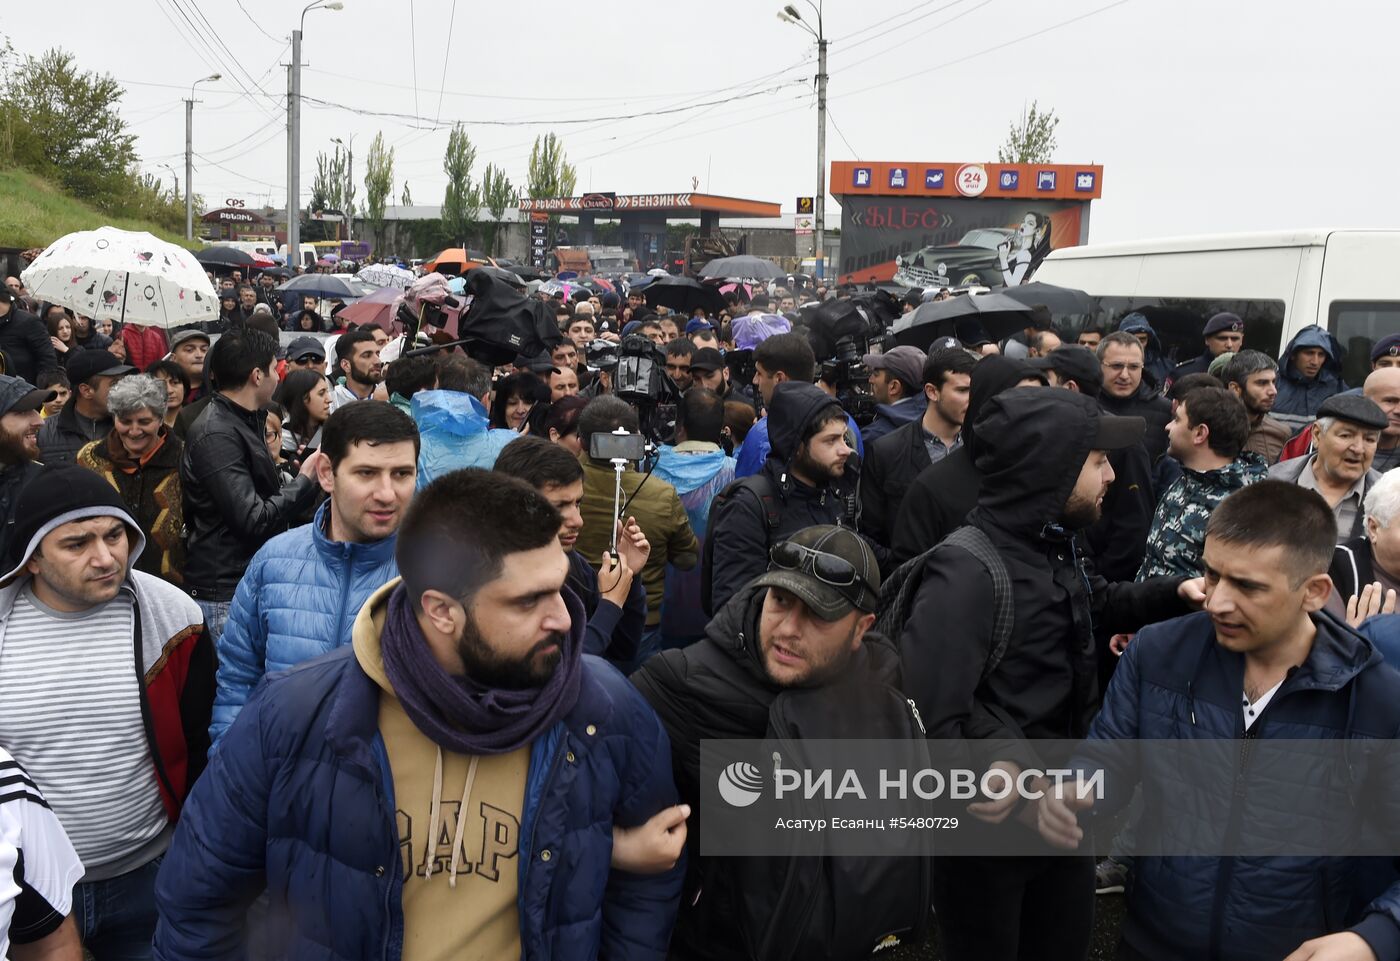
[1176,683]
[1299,398]
[297,600]
[299,800]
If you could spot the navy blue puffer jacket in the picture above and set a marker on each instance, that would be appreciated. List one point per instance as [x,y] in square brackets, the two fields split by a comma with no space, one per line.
[1176,683]
[297,600]
[299,801]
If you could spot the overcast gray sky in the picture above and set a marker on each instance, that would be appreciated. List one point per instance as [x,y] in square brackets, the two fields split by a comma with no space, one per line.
[1208,115]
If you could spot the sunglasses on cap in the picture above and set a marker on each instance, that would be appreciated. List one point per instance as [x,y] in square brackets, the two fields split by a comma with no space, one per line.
[827,568]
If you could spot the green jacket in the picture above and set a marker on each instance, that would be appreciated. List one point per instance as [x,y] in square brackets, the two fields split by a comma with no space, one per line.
[659,512]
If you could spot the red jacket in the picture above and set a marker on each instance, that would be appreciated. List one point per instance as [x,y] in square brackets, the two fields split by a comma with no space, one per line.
[1299,445]
[144,345]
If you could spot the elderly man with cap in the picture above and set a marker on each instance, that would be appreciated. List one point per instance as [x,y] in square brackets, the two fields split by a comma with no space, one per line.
[804,624]
[105,693]
[85,417]
[896,381]
[1043,455]
[1344,439]
[1223,333]
[20,402]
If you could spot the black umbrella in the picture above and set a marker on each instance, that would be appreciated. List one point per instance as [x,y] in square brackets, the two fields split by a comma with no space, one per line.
[282,272]
[745,266]
[968,317]
[1060,300]
[683,294]
[501,273]
[221,256]
[324,285]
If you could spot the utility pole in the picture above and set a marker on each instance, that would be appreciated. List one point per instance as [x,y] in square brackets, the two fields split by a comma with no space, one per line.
[821,151]
[189,155]
[294,152]
[294,135]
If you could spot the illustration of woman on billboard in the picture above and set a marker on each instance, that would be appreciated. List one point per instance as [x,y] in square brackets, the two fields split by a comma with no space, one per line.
[1032,243]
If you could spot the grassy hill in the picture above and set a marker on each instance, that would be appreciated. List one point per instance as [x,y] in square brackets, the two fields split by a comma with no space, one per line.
[35,213]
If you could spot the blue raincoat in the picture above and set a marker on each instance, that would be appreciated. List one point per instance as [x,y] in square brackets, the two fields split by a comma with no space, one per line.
[697,477]
[454,430]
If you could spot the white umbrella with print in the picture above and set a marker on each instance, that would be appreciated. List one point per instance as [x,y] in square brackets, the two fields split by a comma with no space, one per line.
[128,276]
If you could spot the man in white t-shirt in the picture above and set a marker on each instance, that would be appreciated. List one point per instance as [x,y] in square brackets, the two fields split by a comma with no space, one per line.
[38,868]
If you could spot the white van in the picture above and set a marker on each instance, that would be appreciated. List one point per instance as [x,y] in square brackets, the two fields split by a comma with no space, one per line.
[265,248]
[1278,282]
[308,254]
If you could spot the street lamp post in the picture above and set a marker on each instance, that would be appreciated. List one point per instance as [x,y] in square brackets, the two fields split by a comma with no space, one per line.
[294,134]
[189,155]
[790,14]
[349,210]
[175,177]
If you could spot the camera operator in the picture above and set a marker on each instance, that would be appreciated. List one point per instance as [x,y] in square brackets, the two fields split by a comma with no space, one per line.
[782,358]
[602,364]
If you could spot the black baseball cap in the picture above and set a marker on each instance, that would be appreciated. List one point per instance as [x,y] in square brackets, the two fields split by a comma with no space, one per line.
[810,564]
[707,359]
[303,347]
[19,396]
[1071,362]
[87,364]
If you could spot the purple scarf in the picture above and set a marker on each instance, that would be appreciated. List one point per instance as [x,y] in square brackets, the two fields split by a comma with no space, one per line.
[457,713]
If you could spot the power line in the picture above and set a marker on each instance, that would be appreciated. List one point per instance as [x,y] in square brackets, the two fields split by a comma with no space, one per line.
[891,29]
[413,46]
[445,57]
[241,175]
[884,21]
[194,36]
[884,84]
[855,154]
[255,23]
[908,40]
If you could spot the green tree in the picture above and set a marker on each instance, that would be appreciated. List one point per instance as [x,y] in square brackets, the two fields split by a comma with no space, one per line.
[407,198]
[379,182]
[551,174]
[461,204]
[1031,140]
[62,122]
[497,194]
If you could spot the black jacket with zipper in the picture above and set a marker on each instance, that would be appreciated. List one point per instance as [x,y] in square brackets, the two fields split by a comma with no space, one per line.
[26,345]
[1046,684]
[892,463]
[739,523]
[234,498]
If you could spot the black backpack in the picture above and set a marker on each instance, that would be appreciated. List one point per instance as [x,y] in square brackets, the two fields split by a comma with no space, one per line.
[898,591]
[761,487]
[810,908]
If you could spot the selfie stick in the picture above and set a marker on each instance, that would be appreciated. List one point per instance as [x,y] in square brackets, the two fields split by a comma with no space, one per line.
[619,466]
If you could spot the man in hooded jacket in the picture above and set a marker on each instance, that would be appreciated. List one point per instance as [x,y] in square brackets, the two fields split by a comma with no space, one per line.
[1156,366]
[804,492]
[1042,455]
[1310,371]
[939,499]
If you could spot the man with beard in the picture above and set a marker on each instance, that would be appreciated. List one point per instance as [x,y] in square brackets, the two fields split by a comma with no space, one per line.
[613,596]
[803,483]
[1043,456]
[357,362]
[20,402]
[1253,376]
[468,760]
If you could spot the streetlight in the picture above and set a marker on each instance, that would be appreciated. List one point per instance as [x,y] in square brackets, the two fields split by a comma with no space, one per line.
[189,157]
[294,135]
[175,177]
[349,204]
[790,14]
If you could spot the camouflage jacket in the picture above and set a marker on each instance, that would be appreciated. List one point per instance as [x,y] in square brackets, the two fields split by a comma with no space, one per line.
[1178,532]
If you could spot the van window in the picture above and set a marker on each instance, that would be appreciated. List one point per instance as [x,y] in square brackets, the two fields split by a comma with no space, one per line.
[1179,321]
[1358,324]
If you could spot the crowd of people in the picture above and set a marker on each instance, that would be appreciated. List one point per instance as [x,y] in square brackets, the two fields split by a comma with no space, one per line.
[306,654]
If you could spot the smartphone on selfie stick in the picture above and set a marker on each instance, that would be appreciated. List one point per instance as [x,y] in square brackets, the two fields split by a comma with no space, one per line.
[619,448]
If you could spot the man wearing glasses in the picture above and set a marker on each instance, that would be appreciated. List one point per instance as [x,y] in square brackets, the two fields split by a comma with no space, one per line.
[1125,393]
[803,624]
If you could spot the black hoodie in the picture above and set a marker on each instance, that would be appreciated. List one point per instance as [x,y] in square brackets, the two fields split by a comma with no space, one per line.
[738,523]
[1035,442]
[939,499]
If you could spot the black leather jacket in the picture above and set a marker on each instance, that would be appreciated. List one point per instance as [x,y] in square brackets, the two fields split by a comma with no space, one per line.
[234,498]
